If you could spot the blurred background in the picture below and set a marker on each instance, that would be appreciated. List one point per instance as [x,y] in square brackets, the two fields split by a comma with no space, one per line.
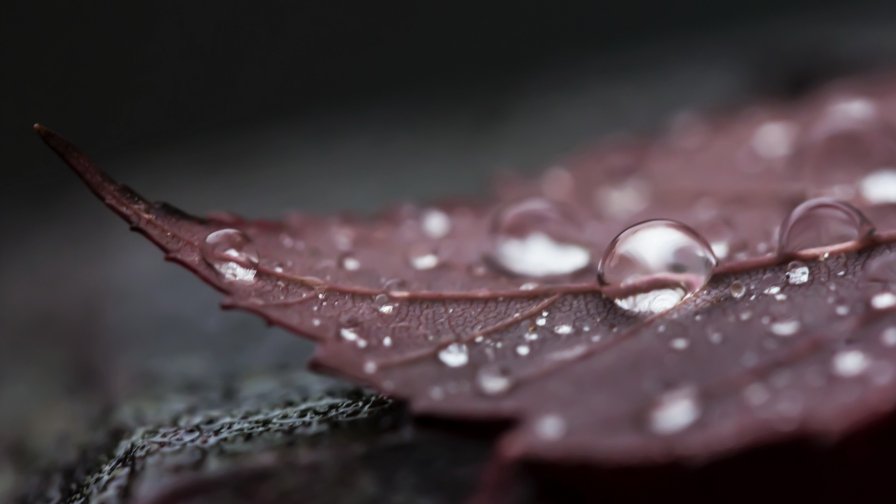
[317,106]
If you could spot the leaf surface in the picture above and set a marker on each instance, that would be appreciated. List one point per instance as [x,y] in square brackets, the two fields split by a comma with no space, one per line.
[414,303]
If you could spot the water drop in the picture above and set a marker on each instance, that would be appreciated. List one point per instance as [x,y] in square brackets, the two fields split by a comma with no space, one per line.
[850,363]
[232,255]
[797,273]
[349,263]
[538,238]
[454,355]
[550,427]
[530,336]
[679,343]
[493,380]
[774,139]
[785,327]
[888,337]
[662,250]
[563,329]
[435,223]
[674,411]
[522,350]
[351,334]
[424,260]
[883,300]
[879,187]
[737,289]
[386,309]
[821,223]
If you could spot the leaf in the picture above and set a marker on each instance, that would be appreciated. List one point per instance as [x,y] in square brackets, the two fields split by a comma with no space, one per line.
[414,303]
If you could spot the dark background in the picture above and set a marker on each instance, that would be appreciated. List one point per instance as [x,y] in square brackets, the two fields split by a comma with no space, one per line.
[317,106]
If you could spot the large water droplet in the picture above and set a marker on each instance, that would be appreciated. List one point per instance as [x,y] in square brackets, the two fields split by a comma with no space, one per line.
[538,238]
[821,223]
[661,250]
[454,355]
[232,254]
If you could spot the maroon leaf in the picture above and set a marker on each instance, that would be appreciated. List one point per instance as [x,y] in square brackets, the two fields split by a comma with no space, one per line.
[494,311]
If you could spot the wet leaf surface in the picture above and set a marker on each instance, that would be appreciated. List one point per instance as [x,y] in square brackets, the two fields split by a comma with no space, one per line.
[493,311]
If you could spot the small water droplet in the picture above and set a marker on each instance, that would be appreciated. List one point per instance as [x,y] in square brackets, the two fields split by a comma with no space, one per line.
[785,327]
[435,223]
[541,321]
[350,263]
[522,350]
[538,238]
[879,187]
[423,260]
[679,343]
[454,355]
[674,411]
[351,334]
[493,380]
[822,223]
[530,336]
[232,254]
[745,315]
[386,309]
[563,329]
[529,286]
[888,337]
[774,139]
[850,363]
[737,289]
[550,427]
[623,199]
[883,300]
[657,250]
[387,341]
[370,367]
[797,273]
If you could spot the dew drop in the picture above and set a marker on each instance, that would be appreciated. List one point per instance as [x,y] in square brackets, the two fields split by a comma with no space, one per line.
[424,260]
[350,263]
[785,327]
[879,187]
[563,329]
[351,334]
[550,427]
[797,273]
[386,309]
[774,139]
[662,250]
[492,380]
[674,411]
[538,238]
[888,337]
[522,350]
[737,289]
[454,355]
[821,223]
[883,300]
[435,223]
[679,343]
[232,254]
[850,363]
